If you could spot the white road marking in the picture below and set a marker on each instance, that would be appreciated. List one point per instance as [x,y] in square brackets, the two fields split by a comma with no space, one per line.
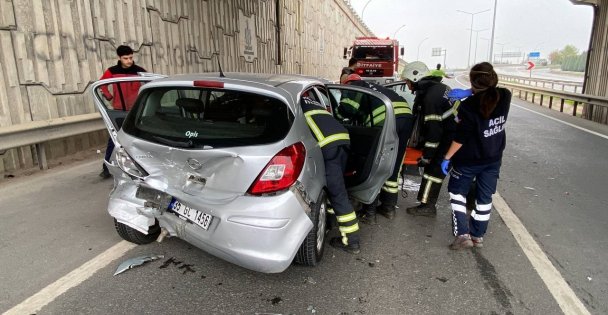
[559,288]
[563,122]
[45,296]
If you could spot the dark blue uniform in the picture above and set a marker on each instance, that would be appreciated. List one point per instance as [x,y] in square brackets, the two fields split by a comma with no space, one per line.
[483,141]
[334,141]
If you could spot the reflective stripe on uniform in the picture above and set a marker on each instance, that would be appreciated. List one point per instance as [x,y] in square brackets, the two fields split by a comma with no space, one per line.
[349,229]
[350,102]
[391,187]
[401,108]
[390,190]
[323,141]
[347,217]
[330,211]
[480,217]
[332,138]
[433,179]
[389,183]
[432,118]
[431,144]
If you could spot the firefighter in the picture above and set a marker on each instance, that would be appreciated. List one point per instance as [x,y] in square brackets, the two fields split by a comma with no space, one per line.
[352,62]
[389,195]
[438,72]
[437,124]
[334,141]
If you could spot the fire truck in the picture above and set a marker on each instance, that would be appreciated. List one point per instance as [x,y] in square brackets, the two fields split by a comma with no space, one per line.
[377,59]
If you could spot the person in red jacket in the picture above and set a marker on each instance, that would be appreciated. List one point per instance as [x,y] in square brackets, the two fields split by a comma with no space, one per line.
[122,95]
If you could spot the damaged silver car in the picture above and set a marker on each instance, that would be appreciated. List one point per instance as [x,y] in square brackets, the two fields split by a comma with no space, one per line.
[228,163]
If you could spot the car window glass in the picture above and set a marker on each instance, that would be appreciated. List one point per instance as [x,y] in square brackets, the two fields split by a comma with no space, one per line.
[357,108]
[323,93]
[403,91]
[197,117]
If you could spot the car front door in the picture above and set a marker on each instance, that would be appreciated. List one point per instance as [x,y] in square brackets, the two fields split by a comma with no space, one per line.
[374,139]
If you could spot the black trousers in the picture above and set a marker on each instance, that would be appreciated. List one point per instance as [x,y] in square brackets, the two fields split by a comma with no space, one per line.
[389,195]
[335,165]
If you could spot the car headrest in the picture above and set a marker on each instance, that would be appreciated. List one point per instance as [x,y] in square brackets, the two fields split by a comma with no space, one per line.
[191,105]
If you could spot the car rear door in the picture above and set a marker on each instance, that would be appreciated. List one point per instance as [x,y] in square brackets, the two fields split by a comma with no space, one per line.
[115,97]
[373,147]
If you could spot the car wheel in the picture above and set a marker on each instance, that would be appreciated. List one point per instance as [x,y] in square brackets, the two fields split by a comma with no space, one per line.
[312,247]
[134,236]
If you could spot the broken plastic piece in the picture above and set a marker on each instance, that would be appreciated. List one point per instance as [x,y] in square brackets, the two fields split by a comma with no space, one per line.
[134,262]
[162,235]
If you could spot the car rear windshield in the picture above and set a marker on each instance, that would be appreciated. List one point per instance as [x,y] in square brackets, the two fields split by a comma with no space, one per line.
[207,118]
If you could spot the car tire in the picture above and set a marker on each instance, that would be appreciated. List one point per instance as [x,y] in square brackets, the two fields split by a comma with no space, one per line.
[134,236]
[311,250]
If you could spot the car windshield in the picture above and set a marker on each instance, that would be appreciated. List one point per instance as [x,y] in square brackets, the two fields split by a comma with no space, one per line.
[373,52]
[207,118]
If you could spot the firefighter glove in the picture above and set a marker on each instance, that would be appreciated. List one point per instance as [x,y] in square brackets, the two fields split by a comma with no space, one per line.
[458,94]
[422,161]
[445,167]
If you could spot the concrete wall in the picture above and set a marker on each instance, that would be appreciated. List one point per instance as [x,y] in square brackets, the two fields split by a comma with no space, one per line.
[51,50]
[597,76]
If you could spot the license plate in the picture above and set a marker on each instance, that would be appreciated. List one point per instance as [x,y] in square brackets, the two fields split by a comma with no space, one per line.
[195,216]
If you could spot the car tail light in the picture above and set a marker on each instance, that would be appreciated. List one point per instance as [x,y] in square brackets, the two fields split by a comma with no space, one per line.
[281,172]
[209,84]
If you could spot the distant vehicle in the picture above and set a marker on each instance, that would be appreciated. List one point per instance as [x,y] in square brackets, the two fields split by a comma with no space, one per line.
[229,164]
[377,59]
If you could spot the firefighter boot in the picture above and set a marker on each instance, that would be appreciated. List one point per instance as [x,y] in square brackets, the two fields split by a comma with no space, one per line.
[369,214]
[352,247]
[423,209]
[387,211]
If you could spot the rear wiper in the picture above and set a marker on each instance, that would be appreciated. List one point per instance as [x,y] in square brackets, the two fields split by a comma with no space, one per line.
[180,144]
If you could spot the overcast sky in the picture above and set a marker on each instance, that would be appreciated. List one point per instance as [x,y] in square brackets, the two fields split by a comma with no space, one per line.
[521,25]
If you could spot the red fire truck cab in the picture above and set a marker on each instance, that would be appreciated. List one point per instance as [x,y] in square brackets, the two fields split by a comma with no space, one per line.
[377,59]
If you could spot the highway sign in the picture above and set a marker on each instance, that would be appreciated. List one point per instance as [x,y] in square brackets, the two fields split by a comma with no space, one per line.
[531,65]
[534,54]
[436,52]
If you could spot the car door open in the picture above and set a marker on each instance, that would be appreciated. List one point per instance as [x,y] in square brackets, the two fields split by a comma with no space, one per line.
[114,99]
[374,141]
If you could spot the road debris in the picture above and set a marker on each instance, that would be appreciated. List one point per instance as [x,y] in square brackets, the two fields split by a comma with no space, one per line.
[134,262]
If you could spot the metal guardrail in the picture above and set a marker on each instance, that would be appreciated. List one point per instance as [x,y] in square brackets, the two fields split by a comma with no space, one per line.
[563,85]
[38,132]
[563,96]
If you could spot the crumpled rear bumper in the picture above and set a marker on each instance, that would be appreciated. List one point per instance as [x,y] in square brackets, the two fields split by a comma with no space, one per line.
[257,233]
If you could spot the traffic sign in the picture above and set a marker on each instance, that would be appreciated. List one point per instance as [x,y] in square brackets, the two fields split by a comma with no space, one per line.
[531,65]
[534,54]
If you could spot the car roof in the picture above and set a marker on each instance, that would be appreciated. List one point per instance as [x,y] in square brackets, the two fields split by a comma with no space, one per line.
[293,84]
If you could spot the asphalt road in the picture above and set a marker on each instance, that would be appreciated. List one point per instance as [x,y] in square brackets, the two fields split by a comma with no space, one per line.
[552,177]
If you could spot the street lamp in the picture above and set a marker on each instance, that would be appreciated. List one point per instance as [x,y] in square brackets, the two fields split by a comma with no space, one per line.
[395,34]
[418,52]
[493,27]
[364,7]
[477,40]
[471,36]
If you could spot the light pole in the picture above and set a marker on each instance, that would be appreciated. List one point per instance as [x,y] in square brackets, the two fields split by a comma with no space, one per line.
[395,34]
[364,7]
[418,52]
[477,40]
[471,36]
[489,56]
[493,27]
